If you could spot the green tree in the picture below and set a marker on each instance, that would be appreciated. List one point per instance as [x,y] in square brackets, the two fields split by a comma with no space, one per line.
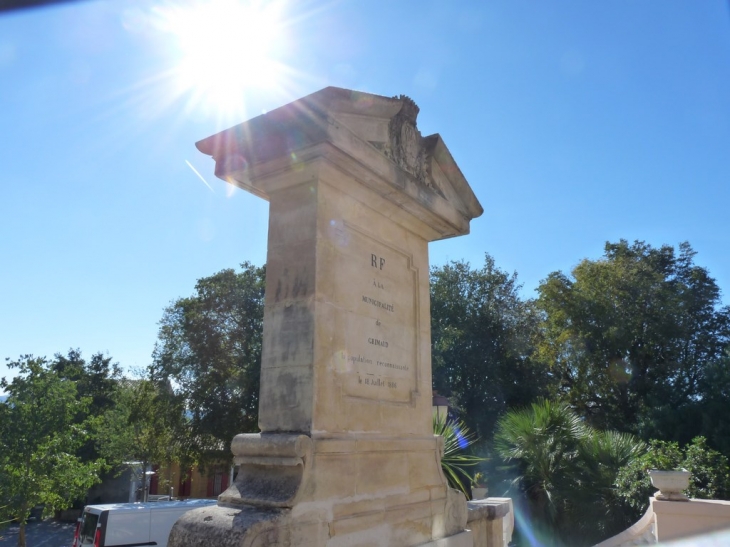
[143,426]
[209,349]
[96,378]
[710,411]
[97,381]
[482,338]
[630,337]
[39,437]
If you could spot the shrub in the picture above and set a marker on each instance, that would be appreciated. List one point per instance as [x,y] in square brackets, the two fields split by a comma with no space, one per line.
[710,473]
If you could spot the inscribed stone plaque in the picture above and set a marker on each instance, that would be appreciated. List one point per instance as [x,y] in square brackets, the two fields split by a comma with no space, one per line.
[377,309]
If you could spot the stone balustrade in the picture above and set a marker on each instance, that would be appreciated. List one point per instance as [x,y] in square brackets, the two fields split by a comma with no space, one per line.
[491,521]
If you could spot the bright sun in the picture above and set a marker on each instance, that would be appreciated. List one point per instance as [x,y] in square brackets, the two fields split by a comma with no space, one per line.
[226,47]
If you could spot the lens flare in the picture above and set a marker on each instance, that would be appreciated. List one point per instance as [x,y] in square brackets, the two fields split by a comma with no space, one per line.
[224,48]
[462,441]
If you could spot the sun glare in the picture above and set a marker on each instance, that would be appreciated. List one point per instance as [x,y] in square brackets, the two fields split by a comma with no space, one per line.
[225,48]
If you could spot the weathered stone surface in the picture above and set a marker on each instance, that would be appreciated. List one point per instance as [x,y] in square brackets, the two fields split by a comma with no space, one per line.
[225,527]
[346,449]
[462,539]
[491,521]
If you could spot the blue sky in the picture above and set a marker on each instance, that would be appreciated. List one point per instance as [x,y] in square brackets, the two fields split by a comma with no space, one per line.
[574,122]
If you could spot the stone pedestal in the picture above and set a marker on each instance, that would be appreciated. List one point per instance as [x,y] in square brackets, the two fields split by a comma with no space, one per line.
[346,454]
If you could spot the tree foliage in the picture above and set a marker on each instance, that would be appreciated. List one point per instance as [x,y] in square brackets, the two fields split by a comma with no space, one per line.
[482,338]
[708,415]
[143,426]
[632,336]
[96,378]
[97,381]
[209,350]
[39,436]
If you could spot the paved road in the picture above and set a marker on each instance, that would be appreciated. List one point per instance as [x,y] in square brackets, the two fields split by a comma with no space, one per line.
[47,533]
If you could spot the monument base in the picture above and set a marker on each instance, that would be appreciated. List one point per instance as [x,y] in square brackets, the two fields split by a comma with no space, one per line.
[251,526]
[295,491]
[246,526]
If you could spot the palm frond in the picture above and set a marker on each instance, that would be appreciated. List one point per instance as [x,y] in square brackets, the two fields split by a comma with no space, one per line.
[455,461]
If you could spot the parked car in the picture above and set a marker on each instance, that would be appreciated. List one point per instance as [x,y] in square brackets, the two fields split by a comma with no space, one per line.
[139,524]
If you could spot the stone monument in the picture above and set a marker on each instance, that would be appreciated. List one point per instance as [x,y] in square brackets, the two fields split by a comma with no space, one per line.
[346,455]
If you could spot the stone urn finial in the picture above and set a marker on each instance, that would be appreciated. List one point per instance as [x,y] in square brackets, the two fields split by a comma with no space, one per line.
[670,484]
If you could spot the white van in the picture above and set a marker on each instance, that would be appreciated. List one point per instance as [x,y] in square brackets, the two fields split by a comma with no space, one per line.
[131,524]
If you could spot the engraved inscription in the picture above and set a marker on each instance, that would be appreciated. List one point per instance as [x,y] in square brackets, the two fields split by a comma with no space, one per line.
[377,303]
[393,365]
[377,382]
[358,359]
[377,262]
[376,288]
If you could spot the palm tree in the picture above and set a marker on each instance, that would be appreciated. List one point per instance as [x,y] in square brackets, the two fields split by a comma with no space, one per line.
[566,469]
[541,443]
[456,461]
[597,510]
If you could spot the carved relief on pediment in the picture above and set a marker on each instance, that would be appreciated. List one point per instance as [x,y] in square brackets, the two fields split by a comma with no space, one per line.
[405,145]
